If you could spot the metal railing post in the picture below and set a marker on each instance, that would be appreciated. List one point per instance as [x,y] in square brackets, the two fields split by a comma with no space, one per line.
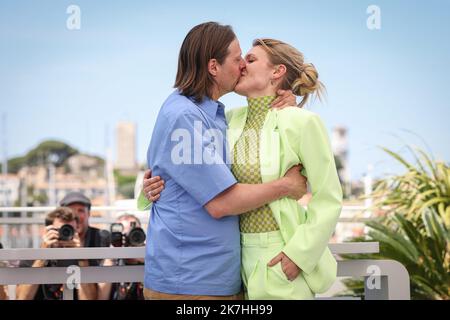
[67,293]
[381,293]
[383,279]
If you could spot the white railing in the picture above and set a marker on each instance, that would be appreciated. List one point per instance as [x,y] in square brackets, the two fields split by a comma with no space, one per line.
[391,276]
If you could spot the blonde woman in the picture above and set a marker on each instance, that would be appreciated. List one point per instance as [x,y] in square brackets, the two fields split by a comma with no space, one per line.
[285,251]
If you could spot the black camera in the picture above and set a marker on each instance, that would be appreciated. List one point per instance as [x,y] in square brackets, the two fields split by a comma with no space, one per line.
[134,238]
[66,232]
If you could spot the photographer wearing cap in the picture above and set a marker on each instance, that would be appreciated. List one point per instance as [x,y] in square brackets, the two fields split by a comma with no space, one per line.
[81,206]
[126,232]
[60,232]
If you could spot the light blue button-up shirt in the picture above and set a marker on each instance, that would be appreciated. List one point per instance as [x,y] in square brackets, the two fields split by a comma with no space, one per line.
[188,251]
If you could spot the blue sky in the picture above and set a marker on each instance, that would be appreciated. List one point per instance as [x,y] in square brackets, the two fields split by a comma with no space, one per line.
[387,86]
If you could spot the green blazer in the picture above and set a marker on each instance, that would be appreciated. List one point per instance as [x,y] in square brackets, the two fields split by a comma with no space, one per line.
[291,136]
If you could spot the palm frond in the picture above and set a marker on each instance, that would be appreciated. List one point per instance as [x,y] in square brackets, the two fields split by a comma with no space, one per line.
[415,228]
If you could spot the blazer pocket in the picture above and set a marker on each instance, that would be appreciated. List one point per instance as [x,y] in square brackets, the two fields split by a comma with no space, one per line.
[324,274]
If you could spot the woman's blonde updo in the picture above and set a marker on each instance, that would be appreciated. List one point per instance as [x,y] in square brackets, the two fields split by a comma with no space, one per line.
[302,78]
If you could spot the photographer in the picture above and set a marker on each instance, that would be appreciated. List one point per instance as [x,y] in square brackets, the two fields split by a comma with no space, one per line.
[60,232]
[81,207]
[125,232]
[3,291]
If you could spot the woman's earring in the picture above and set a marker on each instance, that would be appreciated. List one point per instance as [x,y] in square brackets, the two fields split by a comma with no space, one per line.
[271,82]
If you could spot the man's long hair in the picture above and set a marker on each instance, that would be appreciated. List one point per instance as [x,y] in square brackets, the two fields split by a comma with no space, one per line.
[204,42]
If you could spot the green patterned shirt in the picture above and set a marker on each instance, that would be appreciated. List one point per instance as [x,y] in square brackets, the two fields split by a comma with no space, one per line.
[246,166]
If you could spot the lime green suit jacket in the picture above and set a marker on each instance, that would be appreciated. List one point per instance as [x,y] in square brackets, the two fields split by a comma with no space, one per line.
[291,136]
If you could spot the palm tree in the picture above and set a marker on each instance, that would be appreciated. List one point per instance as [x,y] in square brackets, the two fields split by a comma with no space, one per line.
[414,228]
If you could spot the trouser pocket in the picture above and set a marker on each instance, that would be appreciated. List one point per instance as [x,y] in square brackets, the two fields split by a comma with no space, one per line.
[264,282]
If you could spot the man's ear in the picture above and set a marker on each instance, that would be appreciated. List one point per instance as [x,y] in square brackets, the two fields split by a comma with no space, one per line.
[279,71]
[212,67]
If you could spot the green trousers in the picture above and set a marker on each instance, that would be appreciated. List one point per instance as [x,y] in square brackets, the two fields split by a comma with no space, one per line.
[263,282]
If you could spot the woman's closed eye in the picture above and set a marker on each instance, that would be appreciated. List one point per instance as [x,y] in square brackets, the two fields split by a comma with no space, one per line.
[250,58]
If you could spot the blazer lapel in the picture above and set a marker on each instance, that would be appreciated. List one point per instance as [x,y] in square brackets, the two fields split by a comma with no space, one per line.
[235,128]
[269,149]
[270,157]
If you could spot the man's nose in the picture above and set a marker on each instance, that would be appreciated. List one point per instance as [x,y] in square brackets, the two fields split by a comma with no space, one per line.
[242,65]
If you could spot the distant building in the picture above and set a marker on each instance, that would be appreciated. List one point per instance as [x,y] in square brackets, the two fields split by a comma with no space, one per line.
[66,183]
[126,160]
[86,166]
[80,173]
[9,189]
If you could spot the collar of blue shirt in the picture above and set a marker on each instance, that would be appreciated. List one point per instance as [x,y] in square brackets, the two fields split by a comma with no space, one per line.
[211,107]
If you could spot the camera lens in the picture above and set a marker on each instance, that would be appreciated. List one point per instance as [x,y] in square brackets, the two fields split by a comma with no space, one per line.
[136,237]
[66,232]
